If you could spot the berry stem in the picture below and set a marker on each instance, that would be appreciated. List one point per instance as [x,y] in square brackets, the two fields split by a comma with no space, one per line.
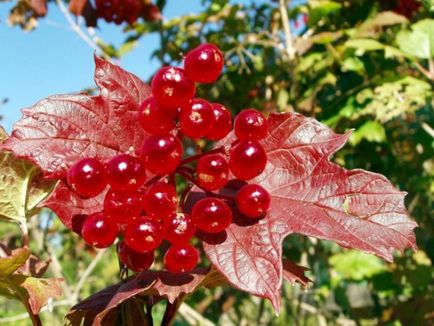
[154,179]
[198,156]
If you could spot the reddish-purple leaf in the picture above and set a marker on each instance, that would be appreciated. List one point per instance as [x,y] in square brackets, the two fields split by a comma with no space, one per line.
[310,196]
[61,129]
[294,273]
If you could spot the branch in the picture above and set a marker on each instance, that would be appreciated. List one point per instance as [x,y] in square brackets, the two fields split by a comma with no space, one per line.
[289,41]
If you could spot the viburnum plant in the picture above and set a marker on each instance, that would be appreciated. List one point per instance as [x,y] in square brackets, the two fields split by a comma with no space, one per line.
[130,173]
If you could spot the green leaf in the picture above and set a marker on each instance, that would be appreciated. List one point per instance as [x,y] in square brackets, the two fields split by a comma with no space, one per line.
[356,265]
[426,26]
[10,264]
[22,187]
[371,131]
[373,26]
[415,43]
[364,45]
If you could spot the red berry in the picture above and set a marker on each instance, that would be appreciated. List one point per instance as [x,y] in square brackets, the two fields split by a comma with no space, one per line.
[250,125]
[181,258]
[172,88]
[155,119]
[99,231]
[136,261]
[196,118]
[123,206]
[162,154]
[253,200]
[178,228]
[212,215]
[160,200]
[247,160]
[212,171]
[125,173]
[87,177]
[221,124]
[204,64]
[143,234]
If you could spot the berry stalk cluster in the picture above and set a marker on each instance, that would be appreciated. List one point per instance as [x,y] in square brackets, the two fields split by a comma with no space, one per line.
[142,206]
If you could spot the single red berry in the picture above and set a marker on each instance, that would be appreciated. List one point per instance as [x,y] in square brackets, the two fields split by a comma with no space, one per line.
[196,118]
[181,258]
[212,171]
[162,154]
[155,119]
[125,173]
[136,261]
[204,64]
[253,200]
[178,228]
[87,177]
[143,234]
[250,125]
[247,160]
[160,200]
[99,231]
[172,88]
[212,215]
[221,124]
[123,206]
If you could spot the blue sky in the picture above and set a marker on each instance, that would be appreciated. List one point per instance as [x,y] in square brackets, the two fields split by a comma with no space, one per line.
[54,60]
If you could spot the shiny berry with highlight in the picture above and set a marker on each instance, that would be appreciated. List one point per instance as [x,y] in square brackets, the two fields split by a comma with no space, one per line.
[221,123]
[160,200]
[212,171]
[143,234]
[87,177]
[162,154]
[181,258]
[250,125]
[212,215]
[172,88]
[155,119]
[125,173]
[123,206]
[247,160]
[135,261]
[204,64]
[178,228]
[253,200]
[99,230]
[196,118]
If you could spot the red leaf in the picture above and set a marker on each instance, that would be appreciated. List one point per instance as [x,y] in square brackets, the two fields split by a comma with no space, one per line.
[77,6]
[61,129]
[166,285]
[39,7]
[71,208]
[310,196]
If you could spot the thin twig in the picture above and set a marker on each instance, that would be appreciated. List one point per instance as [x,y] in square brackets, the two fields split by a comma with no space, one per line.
[422,69]
[77,29]
[193,317]
[86,274]
[428,129]
[289,41]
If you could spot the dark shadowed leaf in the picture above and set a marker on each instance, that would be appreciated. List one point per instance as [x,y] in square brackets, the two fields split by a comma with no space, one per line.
[294,273]
[160,285]
[310,196]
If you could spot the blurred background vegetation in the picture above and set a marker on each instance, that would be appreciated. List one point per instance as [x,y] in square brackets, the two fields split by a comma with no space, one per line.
[366,65]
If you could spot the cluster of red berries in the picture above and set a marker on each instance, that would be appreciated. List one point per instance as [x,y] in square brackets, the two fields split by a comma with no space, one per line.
[144,209]
[119,11]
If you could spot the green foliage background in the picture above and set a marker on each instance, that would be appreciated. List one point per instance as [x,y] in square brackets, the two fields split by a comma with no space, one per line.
[354,65]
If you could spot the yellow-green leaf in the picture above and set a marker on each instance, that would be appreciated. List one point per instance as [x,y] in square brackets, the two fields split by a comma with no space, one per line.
[11,263]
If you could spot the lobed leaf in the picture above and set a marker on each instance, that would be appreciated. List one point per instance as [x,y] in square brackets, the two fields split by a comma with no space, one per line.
[310,196]
[14,284]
